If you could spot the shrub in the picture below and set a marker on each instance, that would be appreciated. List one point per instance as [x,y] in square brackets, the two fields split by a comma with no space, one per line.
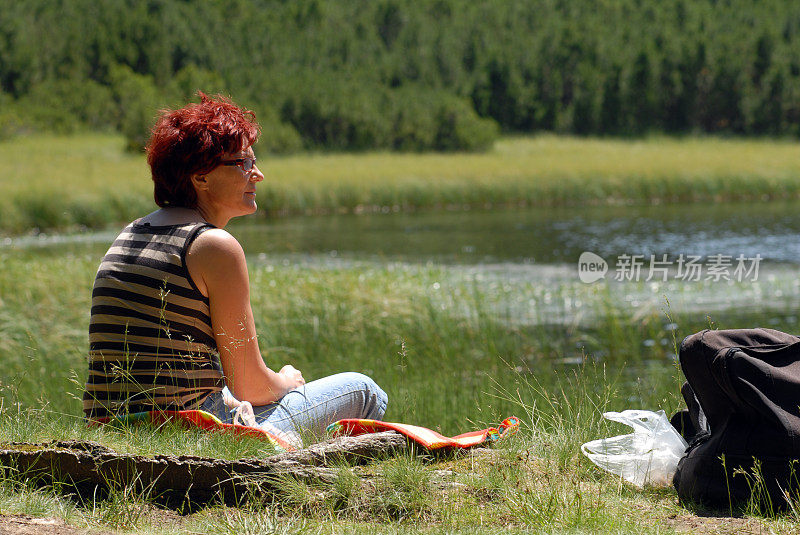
[184,85]
[414,127]
[137,101]
[276,137]
[336,113]
[343,114]
[66,105]
[460,128]
[11,122]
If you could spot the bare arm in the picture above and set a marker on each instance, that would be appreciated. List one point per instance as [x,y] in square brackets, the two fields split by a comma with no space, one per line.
[217,265]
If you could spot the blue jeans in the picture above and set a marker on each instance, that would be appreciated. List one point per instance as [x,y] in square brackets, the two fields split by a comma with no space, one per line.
[309,409]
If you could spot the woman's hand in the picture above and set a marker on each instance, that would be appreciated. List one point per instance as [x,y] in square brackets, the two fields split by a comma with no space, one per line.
[294,377]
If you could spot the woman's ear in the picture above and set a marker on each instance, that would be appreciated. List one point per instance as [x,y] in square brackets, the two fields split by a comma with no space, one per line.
[200,182]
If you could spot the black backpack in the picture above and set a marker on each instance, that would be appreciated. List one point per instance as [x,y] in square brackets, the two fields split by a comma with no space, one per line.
[743,419]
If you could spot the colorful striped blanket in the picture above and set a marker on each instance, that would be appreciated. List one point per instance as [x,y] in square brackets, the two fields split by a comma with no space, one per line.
[350,427]
[205,420]
[426,437]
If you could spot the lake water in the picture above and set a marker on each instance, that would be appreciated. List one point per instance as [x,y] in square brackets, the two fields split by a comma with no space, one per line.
[540,236]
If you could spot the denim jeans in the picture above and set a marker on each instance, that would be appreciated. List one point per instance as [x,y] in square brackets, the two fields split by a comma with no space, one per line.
[309,409]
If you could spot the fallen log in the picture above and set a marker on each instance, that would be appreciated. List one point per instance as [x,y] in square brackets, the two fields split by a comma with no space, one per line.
[348,450]
[87,468]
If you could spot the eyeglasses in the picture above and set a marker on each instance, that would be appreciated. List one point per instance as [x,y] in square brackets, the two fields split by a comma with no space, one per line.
[246,164]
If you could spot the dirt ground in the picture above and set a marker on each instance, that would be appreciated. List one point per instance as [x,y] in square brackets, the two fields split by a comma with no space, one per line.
[717,525]
[26,525]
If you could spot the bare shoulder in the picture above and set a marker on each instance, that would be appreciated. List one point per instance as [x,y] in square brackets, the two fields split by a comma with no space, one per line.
[214,242]
[216,258]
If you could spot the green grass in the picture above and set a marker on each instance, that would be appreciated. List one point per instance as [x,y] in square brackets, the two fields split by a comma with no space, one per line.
[88,180]
[441,341]
[455,351]
[533,482]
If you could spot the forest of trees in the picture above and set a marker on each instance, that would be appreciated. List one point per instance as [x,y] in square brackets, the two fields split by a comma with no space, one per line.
[403,74]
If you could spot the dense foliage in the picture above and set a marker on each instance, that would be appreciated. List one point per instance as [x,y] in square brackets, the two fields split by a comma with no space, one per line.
[397,74]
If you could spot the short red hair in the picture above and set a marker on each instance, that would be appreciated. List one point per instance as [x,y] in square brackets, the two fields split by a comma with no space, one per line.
[192,140]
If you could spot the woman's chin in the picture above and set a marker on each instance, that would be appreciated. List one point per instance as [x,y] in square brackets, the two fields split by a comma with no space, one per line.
[247,209]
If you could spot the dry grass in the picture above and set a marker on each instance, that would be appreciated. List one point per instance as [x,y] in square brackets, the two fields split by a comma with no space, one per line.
[88,180]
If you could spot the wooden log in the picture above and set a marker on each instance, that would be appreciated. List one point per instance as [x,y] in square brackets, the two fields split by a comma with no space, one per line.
[87,467]
[349,450]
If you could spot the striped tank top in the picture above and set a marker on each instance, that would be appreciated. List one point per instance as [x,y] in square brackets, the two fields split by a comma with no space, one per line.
[151,345]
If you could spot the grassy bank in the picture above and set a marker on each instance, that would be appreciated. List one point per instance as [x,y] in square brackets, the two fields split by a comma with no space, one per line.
[88,180]
[534,482]
[454,352]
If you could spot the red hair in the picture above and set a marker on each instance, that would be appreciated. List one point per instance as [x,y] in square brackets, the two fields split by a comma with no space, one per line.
[192,140]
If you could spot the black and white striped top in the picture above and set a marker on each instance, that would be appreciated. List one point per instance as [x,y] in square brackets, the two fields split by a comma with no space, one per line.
[151,345]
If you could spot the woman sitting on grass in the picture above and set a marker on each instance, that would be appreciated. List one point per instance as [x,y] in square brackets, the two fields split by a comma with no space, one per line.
[171,323]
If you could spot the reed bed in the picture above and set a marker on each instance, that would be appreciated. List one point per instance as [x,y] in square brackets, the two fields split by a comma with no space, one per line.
[88,180]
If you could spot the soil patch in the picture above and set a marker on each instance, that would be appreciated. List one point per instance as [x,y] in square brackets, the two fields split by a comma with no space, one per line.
[716,525]
[27,525]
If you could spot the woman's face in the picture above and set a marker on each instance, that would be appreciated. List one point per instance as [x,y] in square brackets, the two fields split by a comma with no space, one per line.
[229,190]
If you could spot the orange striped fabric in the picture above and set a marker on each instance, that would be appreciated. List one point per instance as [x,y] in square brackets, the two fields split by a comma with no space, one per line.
[423,436]
[151,346]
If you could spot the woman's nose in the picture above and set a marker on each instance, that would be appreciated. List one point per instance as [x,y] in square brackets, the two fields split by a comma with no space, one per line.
[257,175]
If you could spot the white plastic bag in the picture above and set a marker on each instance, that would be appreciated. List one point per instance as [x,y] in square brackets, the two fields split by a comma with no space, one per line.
[648,456]
[243,414]
[242,410]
